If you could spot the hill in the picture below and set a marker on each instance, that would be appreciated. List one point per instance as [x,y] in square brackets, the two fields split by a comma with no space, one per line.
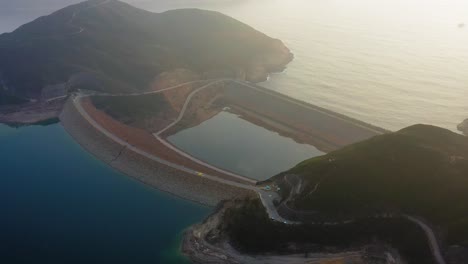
[125,48]
[421,170]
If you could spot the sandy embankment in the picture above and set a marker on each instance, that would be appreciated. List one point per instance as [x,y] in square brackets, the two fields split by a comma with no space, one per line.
[150,172]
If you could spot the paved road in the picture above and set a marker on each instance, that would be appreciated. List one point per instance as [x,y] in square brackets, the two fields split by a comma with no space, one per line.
[431,238]
[184,108]
[157,91]
[267,199]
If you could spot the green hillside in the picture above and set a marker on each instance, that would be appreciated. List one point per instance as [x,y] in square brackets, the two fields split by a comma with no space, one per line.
[125,47]
[421,170]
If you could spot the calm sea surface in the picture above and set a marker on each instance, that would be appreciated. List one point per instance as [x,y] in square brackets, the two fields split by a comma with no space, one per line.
[60,205]
[229,142]
[391,63]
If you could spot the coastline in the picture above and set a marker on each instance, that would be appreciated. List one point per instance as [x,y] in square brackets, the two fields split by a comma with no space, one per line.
[152,173]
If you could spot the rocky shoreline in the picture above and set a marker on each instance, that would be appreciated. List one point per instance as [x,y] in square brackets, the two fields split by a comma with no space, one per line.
[260,68]
[159,176]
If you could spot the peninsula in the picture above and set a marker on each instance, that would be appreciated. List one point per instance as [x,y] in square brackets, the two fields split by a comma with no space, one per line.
[110,46]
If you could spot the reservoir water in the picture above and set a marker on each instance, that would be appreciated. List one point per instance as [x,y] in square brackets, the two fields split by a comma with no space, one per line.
[231,143]
[60,205]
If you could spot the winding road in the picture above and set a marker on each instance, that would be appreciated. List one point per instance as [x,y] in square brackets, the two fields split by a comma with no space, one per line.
[184,108]
[431,237]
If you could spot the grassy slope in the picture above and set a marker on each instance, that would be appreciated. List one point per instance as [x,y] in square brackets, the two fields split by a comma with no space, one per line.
[124,46]
[421,170]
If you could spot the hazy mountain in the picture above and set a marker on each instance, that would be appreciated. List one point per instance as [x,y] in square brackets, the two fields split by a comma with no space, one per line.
[125,47]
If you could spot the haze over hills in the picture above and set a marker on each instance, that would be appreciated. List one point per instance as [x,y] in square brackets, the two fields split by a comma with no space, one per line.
[421,170]
[126,48]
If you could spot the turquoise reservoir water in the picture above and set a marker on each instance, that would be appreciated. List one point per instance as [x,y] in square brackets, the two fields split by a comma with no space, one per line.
[58,204]
[229,142]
